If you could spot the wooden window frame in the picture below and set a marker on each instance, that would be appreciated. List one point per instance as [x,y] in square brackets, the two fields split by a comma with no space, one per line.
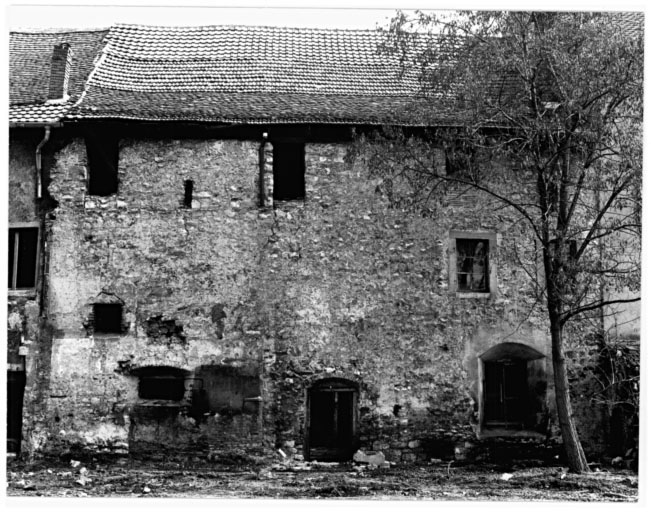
[31,291]
[492,239]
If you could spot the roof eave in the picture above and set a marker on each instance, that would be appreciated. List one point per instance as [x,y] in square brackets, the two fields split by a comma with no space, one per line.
[35,124]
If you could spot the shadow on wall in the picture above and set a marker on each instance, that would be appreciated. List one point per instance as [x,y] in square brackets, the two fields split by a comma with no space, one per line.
[213,407]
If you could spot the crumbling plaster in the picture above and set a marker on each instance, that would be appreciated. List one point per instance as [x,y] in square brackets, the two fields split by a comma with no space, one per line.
[338,284]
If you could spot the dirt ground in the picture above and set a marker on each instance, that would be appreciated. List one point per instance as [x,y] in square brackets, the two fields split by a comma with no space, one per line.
[437,481]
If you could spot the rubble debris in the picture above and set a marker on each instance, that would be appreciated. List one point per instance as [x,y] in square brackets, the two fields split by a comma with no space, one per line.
[373,459]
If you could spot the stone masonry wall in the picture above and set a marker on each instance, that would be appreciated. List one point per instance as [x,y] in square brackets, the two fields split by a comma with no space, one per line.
[26,350]
[338,285]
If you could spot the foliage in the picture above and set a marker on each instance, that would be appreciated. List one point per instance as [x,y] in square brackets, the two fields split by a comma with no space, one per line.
[547,116]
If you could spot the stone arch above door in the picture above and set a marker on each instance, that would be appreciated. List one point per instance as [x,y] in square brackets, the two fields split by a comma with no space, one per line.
[499,358]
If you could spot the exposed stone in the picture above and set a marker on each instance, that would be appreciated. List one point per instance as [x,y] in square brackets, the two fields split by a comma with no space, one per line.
[340,286]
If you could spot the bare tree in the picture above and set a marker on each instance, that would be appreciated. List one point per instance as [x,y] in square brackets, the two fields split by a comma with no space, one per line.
[557,96]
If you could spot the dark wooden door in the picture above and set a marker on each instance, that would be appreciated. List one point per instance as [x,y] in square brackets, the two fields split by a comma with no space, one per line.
[15,391]
[505,393]
[331,424]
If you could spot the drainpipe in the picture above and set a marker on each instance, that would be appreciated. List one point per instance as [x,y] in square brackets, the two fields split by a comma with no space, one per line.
[261,180]
[39,186]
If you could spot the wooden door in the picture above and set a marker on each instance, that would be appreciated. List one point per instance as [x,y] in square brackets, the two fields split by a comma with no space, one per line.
[331,423]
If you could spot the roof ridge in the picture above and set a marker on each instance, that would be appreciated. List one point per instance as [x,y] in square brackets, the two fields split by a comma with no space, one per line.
[239,26]
[38,30]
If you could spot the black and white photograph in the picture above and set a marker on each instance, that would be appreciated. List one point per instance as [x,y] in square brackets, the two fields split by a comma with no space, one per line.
[353,252]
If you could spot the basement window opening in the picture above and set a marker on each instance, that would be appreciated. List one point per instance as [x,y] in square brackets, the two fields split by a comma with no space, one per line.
[107,318]
[289,170]
[102,151]
[23,257]
[161,383]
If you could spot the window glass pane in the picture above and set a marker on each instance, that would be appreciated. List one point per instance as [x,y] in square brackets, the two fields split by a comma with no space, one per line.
[472,265]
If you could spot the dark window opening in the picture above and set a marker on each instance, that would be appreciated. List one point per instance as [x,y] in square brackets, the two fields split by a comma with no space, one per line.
[454,163]
[103,154]
[571,247]
[187,194]
[107,318]
[289,170]
[23,250]
[505,393]
[472,265]
[161,383]
[459,159]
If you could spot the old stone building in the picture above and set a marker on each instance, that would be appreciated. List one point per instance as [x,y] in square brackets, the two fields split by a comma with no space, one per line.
[207,269]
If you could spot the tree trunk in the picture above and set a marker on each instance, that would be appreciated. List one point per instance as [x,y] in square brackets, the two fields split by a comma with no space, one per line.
[571,442]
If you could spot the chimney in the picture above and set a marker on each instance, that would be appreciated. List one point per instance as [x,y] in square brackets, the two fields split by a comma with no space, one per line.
[60,72]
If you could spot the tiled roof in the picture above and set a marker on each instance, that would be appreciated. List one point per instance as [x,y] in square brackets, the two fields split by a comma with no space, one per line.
[231,74]
[630,23]
[30,54]
[248,74]
[38,113]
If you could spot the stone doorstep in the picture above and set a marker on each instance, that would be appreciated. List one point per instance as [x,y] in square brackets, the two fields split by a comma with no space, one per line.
[510,434]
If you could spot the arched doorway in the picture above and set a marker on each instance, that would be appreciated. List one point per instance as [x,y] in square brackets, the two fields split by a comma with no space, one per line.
[331,422]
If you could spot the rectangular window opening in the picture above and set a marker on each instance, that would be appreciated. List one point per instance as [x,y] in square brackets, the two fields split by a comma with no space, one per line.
[23,254]
[289,170]
[472,265]
[188,186]
[161,387]
[103,154]
[107,318]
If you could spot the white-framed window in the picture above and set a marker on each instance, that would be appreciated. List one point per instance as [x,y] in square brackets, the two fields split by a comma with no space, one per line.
[473,263]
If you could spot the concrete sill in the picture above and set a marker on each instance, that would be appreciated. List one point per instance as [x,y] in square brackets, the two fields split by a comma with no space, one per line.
[158,403]
[107,335]
[29,293]
[488,433]
[472,295]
